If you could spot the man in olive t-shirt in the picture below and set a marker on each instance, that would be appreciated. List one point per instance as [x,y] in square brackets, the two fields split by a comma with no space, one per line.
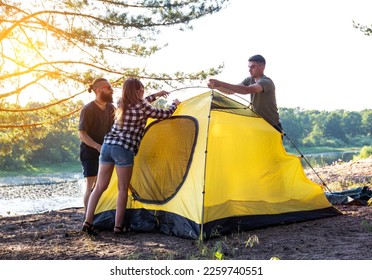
[260,87]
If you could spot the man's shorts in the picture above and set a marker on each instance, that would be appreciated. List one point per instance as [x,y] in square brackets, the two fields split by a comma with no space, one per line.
[89,162]
[90,167]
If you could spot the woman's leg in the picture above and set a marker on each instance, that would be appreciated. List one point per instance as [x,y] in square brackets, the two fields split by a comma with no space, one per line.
[103,180]
[124,176]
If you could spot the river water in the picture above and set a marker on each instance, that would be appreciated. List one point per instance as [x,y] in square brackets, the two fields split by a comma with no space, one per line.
[31,195]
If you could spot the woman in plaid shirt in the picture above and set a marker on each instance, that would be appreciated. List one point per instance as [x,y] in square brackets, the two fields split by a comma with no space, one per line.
[121,145]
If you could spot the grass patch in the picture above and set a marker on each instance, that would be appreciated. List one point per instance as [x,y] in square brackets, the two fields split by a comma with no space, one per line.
[225,247]
[34,170]
[319,150]
[366,225]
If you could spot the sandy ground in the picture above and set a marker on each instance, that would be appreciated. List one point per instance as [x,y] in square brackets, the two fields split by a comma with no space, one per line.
[56,235]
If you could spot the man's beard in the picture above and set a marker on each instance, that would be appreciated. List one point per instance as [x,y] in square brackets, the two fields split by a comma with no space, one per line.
[107,98]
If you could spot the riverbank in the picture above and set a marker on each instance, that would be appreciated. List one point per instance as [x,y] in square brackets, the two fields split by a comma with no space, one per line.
[44,179]
[343,175]
[24,195]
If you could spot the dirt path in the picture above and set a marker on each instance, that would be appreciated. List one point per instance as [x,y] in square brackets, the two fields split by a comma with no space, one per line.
[55,235]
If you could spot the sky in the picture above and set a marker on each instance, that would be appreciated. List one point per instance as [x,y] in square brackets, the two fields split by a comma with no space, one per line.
[314,55]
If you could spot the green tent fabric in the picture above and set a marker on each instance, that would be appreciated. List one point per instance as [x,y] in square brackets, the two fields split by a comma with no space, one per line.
[214,167]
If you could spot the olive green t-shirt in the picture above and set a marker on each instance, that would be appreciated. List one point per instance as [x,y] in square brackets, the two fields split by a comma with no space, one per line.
[264,103]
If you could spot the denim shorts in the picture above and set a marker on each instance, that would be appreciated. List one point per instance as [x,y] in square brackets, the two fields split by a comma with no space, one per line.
[115,154]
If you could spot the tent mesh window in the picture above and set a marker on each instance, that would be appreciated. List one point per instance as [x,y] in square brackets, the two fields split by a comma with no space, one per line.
[227,105]
[164,158]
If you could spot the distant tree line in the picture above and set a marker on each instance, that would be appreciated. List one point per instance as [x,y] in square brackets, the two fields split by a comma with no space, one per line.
[340,128]
[48,137]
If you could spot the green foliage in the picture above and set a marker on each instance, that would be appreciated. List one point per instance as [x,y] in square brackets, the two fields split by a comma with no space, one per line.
[351,122]
[9,163]
[293,118]
[361,140]
[367,226]
[48,142]
[214,252]
[56,147]
[367,122]
[336,129]
[315,137]
[225,247]
[332,126]
[365,152]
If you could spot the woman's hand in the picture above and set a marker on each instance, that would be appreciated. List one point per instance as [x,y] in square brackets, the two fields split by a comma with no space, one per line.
[162,93]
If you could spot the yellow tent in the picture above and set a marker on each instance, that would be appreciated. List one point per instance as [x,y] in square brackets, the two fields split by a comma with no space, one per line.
[213,168]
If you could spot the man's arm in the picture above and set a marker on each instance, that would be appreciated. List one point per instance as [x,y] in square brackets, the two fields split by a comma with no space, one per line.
[231,88]
[88,140]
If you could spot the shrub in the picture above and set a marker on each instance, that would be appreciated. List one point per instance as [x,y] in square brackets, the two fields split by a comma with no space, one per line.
[9,163]
[365,152]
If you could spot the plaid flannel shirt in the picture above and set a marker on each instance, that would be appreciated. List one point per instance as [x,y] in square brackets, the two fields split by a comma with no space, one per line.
[130,134]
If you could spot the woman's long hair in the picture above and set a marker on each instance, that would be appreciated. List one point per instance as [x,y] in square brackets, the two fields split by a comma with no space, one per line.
[131,94]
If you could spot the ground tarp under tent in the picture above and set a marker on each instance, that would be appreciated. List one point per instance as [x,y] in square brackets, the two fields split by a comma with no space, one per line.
[214,167]
[357,196]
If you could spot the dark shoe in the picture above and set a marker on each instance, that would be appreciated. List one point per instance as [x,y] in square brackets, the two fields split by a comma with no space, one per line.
[88,228]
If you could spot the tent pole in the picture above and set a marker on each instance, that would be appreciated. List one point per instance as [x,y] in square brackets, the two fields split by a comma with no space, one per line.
[205,166]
